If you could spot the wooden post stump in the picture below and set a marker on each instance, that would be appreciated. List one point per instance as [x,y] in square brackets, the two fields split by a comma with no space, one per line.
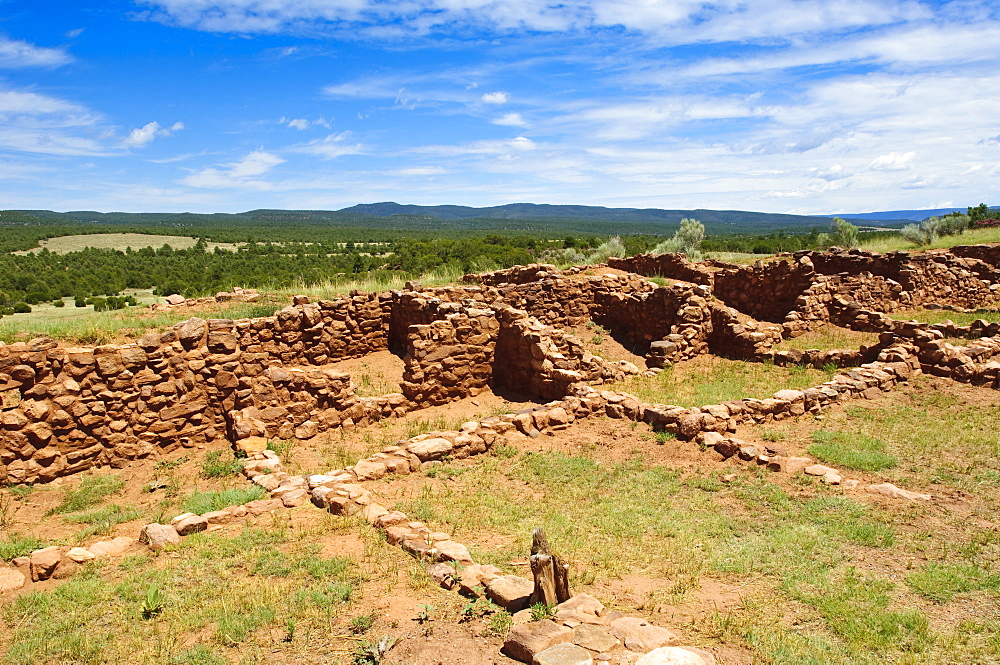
[550,572]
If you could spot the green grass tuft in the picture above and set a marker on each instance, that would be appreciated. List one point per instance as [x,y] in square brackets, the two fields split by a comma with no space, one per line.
[942,582]
[91,491]
[851,450]
[204,502]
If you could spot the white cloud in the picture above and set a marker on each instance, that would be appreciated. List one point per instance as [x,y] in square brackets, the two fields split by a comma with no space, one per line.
[15,53]
[144,135]
[237,174]
[511,120]
[419,171]
[304,123]
[894,161]
[677,21]
[495,98]
[330,146]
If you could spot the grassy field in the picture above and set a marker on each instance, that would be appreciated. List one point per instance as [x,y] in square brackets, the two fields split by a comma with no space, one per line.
[897,242]
[943,315]
[824,576]
[121,241]
[829,337]
[82,325]
[711,380]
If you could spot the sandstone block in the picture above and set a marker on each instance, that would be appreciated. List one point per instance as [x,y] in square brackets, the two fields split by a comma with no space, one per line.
[449,550]
[114,547]
[788,464]
[44,562]
[158,536]
[510,592]
[563,653]
[294,498]
[80,555]
[11,579]
[218,516]
[430,449]
[594,638]
[890,490]
[677,656]
[262,506]
[640,635]
[818,470]
[526,640]
[251,444]
[190,524]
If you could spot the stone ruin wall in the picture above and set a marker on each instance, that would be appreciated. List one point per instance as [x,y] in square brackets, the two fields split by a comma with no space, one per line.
[67,409]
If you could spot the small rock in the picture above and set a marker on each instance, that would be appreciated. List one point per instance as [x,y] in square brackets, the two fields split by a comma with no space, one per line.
[510,592]
[114,547]
[294,498]
[563,653]
[728,477]
[640,635]
[818,470]
[582,602]
[11,579]
[594,638]
[190,524]
[890,490]
[80,555]
[44,562]
[677,656]
[748,453]
[850,484]
[526,640]
[449,550]
[158,536]
[218,517]
[788,464]
[251,444]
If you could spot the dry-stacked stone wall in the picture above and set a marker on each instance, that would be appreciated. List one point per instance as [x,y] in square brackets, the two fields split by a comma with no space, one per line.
[535,359]
[64,409]
[765,291]
[450,358]
[670,265]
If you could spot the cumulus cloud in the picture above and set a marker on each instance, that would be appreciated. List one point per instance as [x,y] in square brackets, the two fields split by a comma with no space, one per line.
[144,135]
[894,161]
[15,53]
[511,120]
[237,174]
[35,123]
[495,98]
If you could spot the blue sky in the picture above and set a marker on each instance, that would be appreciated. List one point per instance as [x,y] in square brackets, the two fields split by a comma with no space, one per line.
[802,106]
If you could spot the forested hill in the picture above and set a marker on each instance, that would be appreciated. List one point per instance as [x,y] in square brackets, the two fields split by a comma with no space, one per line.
[715,221]
[373,221]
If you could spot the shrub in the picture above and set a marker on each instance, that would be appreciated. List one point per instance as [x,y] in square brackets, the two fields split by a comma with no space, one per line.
[687,240]
[21,308]
[844,234]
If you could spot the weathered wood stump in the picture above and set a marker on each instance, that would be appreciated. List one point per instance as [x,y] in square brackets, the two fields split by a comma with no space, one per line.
[550,572]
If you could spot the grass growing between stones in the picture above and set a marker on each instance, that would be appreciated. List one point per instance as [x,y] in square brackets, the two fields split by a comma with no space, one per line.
[830,337]
[851,451]
[238,596]
[711,380]
[85,326]
[204,502]
[828,576]
[91,490]
[942,315]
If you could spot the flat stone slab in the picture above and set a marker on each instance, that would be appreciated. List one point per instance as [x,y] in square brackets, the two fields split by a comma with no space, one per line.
[676,656]
[510,592]
[594,638]
[528,639]
[640,635]
[563,653]
[890,490]
[11,579]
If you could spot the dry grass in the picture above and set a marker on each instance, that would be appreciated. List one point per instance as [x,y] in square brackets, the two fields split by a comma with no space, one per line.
[829,337]
[973,237]
[120,242]
[943,315]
